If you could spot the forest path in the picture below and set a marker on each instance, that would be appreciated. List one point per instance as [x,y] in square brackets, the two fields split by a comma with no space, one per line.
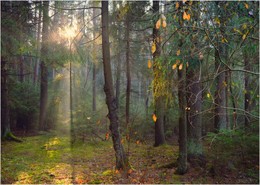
[52,159]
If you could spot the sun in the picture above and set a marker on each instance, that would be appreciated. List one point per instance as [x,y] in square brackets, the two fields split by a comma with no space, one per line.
[68,32]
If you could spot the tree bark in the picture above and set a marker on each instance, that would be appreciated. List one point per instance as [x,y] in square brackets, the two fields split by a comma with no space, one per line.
[159,101]
[44,69]
[94,104]
[121,158]
[182,160]
[194,104]
[247,97]
[128,75]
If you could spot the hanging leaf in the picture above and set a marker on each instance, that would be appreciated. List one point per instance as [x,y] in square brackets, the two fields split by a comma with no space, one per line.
[149,64]
[180,66]
[164,24]
[186,16]
[153,47]
[163,17]
[246,5]
[178,52]
[177,5]
[158,24]
[244,37]
[174,66]
[154,118]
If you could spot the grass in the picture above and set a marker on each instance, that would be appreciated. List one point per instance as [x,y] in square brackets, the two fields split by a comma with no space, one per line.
[54,159]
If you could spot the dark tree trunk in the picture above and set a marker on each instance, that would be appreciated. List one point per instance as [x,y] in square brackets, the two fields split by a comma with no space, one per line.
[159,101]
[44,70]
[247,99]
[118,75]
[220,94]
[194,103]
[121,158]
[128,76]
[5,118]
[182,160]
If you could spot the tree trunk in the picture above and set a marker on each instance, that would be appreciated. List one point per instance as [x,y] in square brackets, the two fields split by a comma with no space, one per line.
[118,75]
[220,94]
[194,103]
[44,70]
[121,158]
[94,105]
[159,101]
[36,66]
[247,90]
[5,122]
[128,76]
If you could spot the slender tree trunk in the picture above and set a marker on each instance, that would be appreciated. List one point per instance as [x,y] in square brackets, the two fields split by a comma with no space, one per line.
[121,158]
[5,117]
[44,69]
[220,95]
[159,101]
[128,76]
[94,104]
[36,66]
[118,75]
[247,96]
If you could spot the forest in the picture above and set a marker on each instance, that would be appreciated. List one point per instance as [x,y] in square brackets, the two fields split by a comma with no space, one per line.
[129,92]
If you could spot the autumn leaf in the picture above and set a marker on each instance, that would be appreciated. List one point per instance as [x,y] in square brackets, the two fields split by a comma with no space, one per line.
[178,52]
[154,118]
[174,66]
[186,16]
[137,142]
[130,171]
[208,95]
[107,136]
[180,66]
[149,64]
[117,171]
[153,47]
[177,5]
[158,24]
[122,141]
[244,37]
[164,24]
[224,40]
[163,17]
[246,5]
[217,20]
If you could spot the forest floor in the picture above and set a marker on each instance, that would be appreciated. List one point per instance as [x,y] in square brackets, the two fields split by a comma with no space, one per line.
[51,159]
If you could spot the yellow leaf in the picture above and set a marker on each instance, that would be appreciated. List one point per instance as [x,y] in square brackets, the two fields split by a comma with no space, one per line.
[164,24]
[149,64]
[178,52]
[122,141]
[154,118]
[180,66]
[158,24]
[223,40]
[208,95]
[246,5]
[177,5]
[244,26]
[244,37]
[163,17]
[174,66]
[217,20]
[153,47]
[186,16]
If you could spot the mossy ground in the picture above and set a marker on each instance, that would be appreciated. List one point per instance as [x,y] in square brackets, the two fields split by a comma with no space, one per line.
[54,159]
